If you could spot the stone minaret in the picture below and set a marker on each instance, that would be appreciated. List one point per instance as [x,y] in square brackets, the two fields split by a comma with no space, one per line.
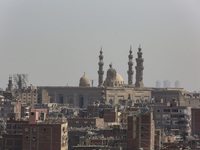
[139,69]
[130,68]
[10,85]
[101,72]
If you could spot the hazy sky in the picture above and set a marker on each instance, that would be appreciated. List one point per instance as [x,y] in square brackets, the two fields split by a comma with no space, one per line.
[55,42]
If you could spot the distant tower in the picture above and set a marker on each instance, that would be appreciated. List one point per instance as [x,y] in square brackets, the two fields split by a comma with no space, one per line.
[20,80]
[177,84]
[130,67]
[139,69]
[10,85]
[101,72]
[166,84]
[158,84]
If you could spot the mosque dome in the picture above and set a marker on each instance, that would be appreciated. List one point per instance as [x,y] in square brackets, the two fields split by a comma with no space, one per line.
[84,81]
[111,73]
[119,79]
[113,79]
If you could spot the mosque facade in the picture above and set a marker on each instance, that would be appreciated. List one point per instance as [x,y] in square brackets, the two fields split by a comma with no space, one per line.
[113,87]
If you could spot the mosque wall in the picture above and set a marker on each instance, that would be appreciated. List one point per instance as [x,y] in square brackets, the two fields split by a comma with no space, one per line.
[114,95]
[77,96]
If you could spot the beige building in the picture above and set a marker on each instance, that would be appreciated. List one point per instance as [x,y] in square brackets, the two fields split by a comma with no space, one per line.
[27,95]
[31,95]
[113,87]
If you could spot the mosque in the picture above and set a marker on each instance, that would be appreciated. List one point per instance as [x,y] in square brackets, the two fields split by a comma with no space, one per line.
[113,86]
[113,90]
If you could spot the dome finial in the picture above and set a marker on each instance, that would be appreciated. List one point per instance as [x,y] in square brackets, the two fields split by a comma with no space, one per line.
[130,49]
[101,50]
[110,65]
[139,48]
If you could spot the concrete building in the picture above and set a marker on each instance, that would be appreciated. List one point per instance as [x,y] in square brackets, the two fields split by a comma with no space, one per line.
[9,108]
[177,84]
[158,84]
[166,84]
[27,95]
[173,118]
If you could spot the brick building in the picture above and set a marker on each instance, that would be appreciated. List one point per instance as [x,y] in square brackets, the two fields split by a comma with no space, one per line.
[50,135]
[12,139]
[15,127]
[140,132]
[11,142]
[108,112]
[123,116]
[195,115]
[86,122]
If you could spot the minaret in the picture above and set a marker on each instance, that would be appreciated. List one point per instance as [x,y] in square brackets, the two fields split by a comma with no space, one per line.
[139,69]
[10,85]
[130,67]
[101,72]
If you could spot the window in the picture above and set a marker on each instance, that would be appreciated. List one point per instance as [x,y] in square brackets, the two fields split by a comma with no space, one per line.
[33,137]
[158,110]
[26,137]
[85,121]
[174,116]
[44,129]
[166,110]
[157,116]
[174,110]
[77,121]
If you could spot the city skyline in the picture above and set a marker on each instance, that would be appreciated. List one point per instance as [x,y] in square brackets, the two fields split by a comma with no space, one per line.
[55,43]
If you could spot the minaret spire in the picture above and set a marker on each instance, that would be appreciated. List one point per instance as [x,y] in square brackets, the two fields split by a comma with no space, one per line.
[10,85]
[130,67]
[139,69]
[101,72]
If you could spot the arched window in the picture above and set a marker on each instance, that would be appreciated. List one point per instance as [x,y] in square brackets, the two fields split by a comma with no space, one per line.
[111,101]
[129,96]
